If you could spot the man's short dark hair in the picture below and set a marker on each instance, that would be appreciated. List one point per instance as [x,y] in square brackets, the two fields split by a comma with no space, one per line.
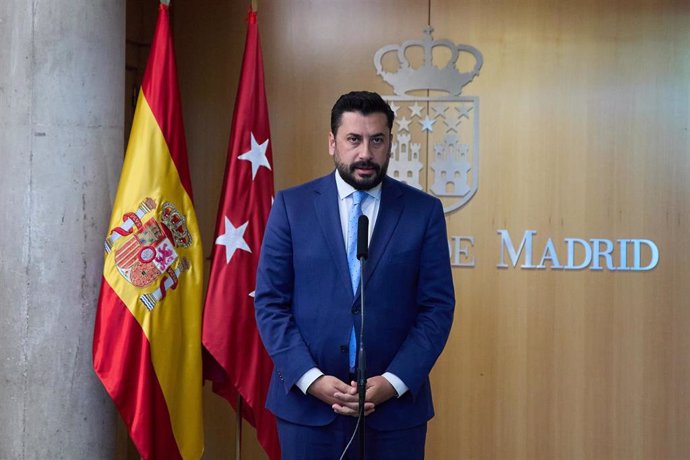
[364,102]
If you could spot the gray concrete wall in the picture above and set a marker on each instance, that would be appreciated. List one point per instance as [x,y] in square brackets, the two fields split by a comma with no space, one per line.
[61,148]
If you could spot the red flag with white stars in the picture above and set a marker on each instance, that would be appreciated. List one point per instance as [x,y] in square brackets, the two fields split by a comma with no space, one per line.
[236,361]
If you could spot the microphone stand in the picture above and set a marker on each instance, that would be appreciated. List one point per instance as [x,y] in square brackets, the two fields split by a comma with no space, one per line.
[361,358]
[362,254]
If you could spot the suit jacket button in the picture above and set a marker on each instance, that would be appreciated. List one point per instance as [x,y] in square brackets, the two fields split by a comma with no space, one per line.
[355,310]
[344,349]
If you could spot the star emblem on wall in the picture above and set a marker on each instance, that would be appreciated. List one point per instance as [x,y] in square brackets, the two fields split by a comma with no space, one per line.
[416,110]
[427,124]
[439,109]
[403,124]
[464,111]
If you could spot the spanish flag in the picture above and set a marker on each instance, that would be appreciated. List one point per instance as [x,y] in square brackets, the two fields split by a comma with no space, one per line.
[147,336]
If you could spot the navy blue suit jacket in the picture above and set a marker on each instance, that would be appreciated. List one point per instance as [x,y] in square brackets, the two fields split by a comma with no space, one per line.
[305,308]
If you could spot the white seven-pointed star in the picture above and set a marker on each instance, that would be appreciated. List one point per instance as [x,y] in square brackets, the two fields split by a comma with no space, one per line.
[427,124]
[416,109]
[439,109]
[233,239]
[403,124]
[256,155]
[464,111]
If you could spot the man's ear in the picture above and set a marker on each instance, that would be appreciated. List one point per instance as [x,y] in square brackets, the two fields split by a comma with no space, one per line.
[331,144]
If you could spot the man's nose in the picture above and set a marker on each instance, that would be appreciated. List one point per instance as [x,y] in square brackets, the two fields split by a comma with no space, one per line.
[365,152]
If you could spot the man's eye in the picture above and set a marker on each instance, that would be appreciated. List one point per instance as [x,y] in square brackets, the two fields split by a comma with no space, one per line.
[377,140]
[352,139]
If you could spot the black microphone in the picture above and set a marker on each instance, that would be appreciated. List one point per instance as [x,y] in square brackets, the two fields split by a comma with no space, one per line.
[363,237]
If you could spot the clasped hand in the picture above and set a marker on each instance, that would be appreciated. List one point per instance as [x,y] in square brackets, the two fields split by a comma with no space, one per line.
[344,398]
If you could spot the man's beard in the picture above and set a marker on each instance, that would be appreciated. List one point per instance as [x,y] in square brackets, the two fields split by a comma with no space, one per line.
[347,173]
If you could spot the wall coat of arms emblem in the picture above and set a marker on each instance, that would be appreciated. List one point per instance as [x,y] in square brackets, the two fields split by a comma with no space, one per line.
[436,132]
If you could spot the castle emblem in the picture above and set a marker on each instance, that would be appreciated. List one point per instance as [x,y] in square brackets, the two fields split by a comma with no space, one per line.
[145,252]
[436,127]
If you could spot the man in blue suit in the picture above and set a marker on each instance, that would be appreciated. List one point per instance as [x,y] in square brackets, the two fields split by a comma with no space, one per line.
[307,300]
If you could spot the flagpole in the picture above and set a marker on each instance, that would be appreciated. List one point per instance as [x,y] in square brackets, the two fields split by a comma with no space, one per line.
[238,429]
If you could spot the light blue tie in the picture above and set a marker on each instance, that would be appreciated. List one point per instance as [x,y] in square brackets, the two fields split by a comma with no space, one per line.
[357,199]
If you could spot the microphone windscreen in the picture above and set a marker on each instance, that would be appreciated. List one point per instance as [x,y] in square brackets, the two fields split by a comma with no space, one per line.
[363,237]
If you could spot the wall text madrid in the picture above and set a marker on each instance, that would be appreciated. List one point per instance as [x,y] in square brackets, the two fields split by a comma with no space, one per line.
[530,251]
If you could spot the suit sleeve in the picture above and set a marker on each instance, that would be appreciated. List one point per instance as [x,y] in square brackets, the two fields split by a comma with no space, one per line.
[273,299]
[435,300]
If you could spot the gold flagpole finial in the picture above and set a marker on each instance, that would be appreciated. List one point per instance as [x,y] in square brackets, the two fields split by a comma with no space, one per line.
[165,2]
[255,5]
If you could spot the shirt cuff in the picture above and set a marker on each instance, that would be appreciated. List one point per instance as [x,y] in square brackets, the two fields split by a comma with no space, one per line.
[308,378]
[398,384]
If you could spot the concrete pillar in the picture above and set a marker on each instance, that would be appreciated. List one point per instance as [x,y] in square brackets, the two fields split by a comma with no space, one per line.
[61,148]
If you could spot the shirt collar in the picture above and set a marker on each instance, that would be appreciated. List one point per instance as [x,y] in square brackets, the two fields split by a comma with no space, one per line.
[345,189]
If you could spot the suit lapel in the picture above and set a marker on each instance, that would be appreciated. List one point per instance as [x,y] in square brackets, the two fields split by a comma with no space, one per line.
[387,220]
[328,215]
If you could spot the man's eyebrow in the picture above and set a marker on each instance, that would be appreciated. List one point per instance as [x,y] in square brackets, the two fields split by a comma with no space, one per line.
[359,136]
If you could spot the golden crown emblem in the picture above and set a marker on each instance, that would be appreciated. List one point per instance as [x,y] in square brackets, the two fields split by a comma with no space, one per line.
[428,76]
[176,225]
